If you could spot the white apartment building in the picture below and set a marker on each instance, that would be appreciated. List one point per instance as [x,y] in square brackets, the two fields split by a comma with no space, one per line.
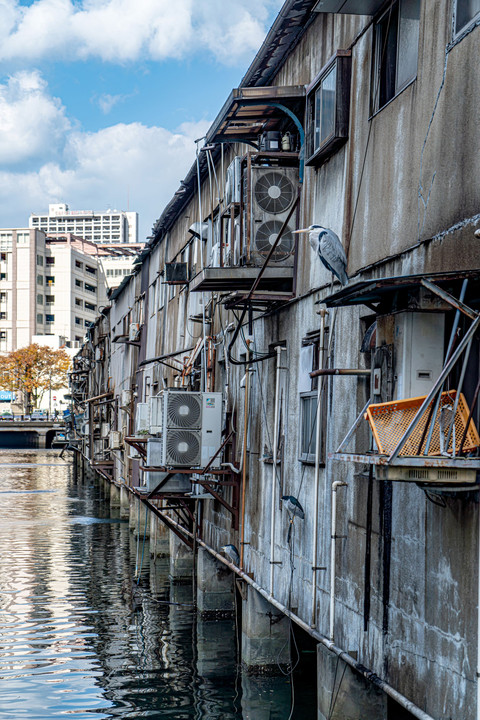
[111,226]
[117,261]
[47,287]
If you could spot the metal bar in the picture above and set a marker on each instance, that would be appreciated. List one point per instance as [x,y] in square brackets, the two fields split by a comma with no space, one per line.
[457,397]
[218,497]
[434,461]
[357,422]
[470,415]
[443,375]
[458,304]
[449,350]
[340,371]
[99,397]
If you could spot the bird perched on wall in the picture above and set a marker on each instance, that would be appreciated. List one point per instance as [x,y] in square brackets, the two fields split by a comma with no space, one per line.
[293,506]
[232,554]
[329,249]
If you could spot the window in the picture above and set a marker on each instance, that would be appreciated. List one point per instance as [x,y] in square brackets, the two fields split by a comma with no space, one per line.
[49,318]
[78,321]
[308,422]
[78,283]
[78,264]
[40,318]
[39,279]
[3,334]
[3,256]
[3,276]
[78,302]
[50,260]
[90,288]
[49,299]
[328,102]
[90,269]
[3,315]
[40,260]
[3,297]
[78,338]
[395,51]
[465,12]
[50,279]
[89,323]
[39,299]
[89,306]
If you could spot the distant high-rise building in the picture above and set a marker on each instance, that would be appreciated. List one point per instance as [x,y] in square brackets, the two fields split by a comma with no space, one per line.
[48,287]
[109,227]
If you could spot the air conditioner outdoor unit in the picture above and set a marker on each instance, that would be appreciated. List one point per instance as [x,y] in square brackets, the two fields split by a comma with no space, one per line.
[134,332]
[156,414]
[233,182]
[268,199]
[191,430]
[115,440]
[142,418]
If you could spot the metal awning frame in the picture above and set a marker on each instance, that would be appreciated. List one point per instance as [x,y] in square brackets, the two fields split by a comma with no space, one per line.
[394,458]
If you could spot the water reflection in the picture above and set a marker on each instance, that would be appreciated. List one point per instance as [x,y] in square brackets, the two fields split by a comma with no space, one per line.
[79,636]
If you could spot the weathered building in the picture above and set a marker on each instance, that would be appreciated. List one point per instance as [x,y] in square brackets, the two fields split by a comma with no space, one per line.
[366,125]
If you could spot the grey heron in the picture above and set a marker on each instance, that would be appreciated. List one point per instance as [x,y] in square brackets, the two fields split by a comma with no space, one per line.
[232,554]
[329,249]
[293,506]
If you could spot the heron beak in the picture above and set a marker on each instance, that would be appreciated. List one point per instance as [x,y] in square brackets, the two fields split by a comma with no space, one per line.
[303,230]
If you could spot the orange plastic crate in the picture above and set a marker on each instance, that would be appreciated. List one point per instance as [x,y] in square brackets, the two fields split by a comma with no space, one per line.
[389,422]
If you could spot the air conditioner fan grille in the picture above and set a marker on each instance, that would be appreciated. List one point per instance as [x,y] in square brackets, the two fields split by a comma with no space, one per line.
[274,192]
[183,448]
[184,411]
[266,235]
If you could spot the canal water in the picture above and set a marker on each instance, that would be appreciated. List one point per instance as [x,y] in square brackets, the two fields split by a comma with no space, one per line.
[80,635]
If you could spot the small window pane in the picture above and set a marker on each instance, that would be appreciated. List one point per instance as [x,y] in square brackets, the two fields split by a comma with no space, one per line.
[408,30]
[308,426]
[325,108]
[466,11]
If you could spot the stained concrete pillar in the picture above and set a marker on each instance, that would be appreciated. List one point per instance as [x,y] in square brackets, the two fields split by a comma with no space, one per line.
[114,496]
[181,560]
[265,634]
[216,651]
[215,586]
[355,698]
[159,540]
[124,503]
[138,521]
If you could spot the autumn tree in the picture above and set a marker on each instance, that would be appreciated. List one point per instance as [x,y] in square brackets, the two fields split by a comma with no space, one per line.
[32,370]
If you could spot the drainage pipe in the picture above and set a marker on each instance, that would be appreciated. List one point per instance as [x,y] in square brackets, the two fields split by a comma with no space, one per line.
[333,546]
[278,350]
[318,437]
[244,454]
[347,659]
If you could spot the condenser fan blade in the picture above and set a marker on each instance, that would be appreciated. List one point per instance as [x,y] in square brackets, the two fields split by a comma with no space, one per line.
[265,237]
[274,192]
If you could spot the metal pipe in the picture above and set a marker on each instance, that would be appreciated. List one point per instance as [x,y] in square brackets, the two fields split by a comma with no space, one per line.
[244,459]
[318,437]
[367,674]
[333,545]
[278,350]
[340,371]
[457,398]
[443,375]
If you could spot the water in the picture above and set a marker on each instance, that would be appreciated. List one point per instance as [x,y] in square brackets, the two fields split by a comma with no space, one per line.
[79,637]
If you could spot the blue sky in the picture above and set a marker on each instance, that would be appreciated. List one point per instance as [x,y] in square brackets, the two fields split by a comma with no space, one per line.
[101,100]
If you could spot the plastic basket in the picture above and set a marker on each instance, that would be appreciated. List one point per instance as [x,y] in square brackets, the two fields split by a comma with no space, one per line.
[389,422]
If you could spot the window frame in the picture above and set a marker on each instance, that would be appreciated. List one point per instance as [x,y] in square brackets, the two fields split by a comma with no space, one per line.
[470,23]
[341,62]
[378,57]
[308,458]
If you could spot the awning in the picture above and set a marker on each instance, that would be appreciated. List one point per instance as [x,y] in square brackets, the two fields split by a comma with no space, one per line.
[387,291]
[250,111]
[352,7]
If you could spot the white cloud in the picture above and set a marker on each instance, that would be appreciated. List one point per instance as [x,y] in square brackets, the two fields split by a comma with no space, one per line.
[124,30]
[88,170]
[32,124]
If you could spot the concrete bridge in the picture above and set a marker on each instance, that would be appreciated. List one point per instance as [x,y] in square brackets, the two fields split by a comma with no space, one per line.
[28,434]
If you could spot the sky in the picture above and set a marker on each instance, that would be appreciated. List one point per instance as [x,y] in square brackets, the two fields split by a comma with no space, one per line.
[101,100]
